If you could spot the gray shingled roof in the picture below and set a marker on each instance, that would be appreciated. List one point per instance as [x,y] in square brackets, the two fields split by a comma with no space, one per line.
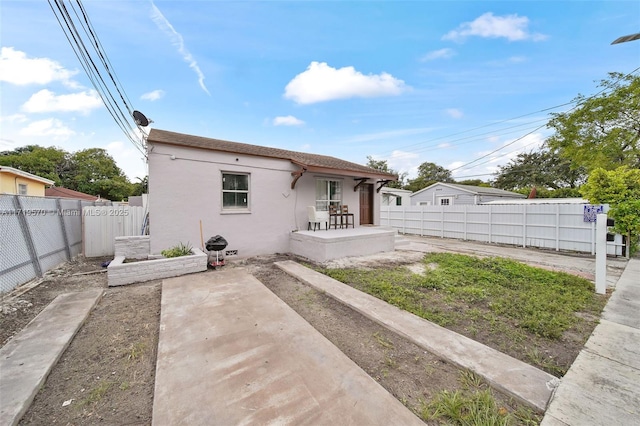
[303,159]
[482,190]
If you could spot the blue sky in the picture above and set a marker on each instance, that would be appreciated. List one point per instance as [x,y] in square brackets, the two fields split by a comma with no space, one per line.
[447,82]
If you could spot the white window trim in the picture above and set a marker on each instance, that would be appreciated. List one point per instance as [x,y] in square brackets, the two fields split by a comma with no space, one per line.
[330,179]
[440,199]
[21,186]
[235,210]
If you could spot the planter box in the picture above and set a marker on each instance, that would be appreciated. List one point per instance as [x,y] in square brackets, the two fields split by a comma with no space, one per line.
[120,273]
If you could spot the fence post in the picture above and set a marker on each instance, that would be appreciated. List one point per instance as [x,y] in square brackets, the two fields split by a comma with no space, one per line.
[524,226]
[557,227]
[593,238]
[67,248]
[26,233]
[601,253]
[490,222]
[442,222]
[465,222]
[422,220]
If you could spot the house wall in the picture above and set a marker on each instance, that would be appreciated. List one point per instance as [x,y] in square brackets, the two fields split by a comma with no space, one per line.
[187,191]
[9,185]
[388,197]
[431,196]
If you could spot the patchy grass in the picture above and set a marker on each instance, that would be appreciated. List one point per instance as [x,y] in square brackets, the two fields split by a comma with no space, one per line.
[475,404]
[515,308]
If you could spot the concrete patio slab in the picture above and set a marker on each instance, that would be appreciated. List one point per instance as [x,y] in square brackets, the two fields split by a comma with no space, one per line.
[27,359]
[513,377]
[231,352]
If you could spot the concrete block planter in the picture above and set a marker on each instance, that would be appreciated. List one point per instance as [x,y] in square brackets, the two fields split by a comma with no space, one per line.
[121,273]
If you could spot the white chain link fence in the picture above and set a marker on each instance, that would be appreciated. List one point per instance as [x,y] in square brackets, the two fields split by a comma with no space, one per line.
[37,234]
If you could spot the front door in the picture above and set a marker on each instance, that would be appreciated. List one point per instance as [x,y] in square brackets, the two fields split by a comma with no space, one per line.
[366,204]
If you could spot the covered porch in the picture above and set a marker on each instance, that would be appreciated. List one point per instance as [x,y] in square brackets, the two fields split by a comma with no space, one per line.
[324,245]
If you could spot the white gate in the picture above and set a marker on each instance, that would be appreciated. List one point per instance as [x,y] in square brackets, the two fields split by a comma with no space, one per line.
[101,225]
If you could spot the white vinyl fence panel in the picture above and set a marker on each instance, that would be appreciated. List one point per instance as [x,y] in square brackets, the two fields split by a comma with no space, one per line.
[549,226]
[101,225]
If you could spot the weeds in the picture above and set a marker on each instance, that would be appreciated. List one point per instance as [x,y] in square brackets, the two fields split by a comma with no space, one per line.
[507,301]
[98,392]
[177,251]
[382,341]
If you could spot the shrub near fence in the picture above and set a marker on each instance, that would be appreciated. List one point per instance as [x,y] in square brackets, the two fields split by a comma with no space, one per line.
[550,226]
[37,234]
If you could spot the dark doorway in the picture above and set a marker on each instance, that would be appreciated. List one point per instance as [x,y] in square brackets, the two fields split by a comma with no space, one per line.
[366,204]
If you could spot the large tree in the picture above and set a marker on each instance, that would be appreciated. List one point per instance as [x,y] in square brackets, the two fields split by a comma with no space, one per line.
[50,163]
[543,169]
[428,174]
[95,172]
[384,167]
[602,130]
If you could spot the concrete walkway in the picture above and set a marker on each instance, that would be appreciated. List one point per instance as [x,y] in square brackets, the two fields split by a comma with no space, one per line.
[602,387]
[27,359]
[230,352]
[513,377]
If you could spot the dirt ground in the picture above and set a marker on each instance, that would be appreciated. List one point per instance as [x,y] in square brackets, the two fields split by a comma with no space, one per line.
[106,376]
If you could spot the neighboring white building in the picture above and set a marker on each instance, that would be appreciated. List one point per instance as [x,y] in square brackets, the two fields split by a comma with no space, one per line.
[395,197]
[449,194]
[253,196]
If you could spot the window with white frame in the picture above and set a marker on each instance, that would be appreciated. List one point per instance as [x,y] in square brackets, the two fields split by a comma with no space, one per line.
[235,191]
[445,201]
[328,192]
[398,201]
[22,189]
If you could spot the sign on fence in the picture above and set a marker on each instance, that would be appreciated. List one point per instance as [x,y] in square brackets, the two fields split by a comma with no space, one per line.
[591,212]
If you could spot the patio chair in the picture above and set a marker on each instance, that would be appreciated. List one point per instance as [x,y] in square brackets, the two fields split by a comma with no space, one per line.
[317,218]
[346,215]
[334,216]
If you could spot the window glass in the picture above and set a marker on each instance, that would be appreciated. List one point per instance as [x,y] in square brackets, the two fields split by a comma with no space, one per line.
[235,191]
[22,189]
[328,192]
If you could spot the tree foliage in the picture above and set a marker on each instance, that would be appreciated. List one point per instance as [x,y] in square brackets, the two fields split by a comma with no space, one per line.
[50,163]
[382,166]
[92,171]
[620,188]
[544,169]
[603,131]
[428,174]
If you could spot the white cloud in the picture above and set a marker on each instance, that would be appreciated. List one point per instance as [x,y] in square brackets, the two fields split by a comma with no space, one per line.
[320,83]
[403,162]
[178,41]
[16,68]
[454,113]
[47,101]
[511,27]
[153,96]
[49,127]
[128,158]
[288,120]
[438,54]
[14,118]
[367,137]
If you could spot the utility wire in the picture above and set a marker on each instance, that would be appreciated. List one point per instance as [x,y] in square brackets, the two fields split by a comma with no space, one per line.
[79,47]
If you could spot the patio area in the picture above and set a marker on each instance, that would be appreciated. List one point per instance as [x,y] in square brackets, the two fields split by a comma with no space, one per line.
[324,245]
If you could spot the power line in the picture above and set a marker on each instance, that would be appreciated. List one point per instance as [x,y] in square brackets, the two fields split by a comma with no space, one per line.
[95,75]
[577,104]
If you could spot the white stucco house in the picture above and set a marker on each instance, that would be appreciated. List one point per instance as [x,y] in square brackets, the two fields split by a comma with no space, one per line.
[449,194]
[395,197]
[254,196]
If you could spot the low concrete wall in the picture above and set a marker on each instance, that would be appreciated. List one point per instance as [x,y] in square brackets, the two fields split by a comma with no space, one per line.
[120,273]
[322,246]
[136,247]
